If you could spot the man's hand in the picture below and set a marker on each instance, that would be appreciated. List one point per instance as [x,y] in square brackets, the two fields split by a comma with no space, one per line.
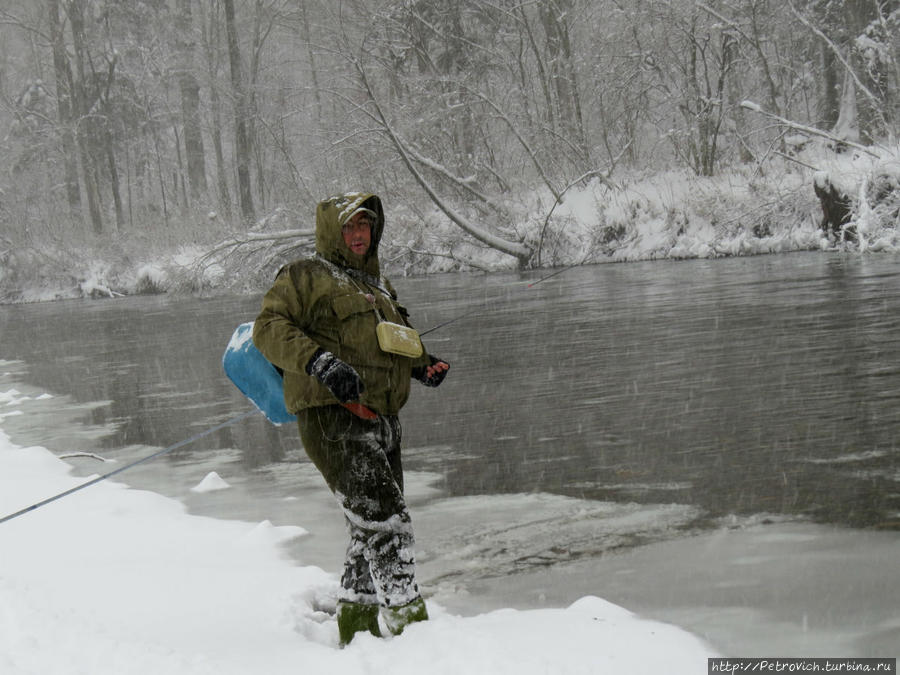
[432,375]
[340,378]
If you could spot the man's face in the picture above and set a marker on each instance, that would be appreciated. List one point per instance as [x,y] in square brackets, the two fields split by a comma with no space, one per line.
[358,233]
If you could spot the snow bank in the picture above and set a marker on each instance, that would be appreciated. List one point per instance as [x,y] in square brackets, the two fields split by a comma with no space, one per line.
[748,209]
[768,206]
[114,580]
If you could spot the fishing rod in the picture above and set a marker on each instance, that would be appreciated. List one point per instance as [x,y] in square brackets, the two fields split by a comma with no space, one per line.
[356,408]
[131,465]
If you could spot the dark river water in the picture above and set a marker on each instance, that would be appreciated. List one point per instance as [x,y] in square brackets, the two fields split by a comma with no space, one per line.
[605,408]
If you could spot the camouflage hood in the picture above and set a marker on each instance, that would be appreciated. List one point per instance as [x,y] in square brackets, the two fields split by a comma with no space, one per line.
[332,214]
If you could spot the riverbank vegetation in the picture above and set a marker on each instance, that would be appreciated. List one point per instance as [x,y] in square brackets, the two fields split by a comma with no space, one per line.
[157,146]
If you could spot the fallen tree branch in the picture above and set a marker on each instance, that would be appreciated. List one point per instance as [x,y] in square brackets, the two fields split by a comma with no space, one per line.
[794,159]
[515,249]
[274,236]
[88,455]
[464,183]
[231,245]
[755,107]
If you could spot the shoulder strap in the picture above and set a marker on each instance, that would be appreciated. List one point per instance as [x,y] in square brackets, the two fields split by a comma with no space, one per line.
[356,275]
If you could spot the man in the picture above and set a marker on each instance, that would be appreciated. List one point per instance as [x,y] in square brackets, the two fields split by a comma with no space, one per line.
[318,324]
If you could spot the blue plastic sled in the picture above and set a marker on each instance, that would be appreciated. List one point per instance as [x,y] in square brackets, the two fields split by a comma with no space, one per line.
[257,379]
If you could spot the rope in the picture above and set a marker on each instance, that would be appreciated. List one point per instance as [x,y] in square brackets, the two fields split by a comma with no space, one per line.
[96,480]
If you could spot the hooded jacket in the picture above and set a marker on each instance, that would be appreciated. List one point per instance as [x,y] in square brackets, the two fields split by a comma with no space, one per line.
[322,302]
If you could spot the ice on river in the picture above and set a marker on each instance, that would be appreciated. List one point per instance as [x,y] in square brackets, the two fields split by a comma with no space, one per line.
[211,483]
[113,580]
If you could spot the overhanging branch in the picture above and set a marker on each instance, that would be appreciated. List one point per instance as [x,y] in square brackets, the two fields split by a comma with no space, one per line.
[519,251]
[750,105]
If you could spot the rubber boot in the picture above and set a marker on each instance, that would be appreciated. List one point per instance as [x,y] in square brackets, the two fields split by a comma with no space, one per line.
[355,617]
[398,618]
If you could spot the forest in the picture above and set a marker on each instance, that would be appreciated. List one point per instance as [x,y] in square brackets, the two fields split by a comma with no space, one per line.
[500,133]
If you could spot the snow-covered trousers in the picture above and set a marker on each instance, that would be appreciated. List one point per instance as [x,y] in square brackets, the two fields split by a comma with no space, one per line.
[360,461]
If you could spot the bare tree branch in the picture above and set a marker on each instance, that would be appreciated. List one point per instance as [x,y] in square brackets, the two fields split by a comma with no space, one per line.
[594,173]
[531,153]
[519,251]
[837,53]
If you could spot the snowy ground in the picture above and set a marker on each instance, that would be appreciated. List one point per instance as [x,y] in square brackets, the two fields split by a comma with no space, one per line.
[115,580]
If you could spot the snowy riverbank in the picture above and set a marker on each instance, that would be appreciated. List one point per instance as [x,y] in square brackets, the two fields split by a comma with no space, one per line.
[115,580]
[668,214]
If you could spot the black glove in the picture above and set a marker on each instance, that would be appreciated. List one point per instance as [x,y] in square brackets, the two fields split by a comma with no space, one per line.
[421,373]
[340,378]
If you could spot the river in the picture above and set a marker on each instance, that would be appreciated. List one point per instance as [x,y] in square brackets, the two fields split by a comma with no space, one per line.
[711,442]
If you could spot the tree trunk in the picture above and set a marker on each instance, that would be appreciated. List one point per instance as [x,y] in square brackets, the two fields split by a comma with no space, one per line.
[259,37]
[549,115]
[860,15]
[831,96]
[242,149]
[106,138]
[179,187]
[83,100]
[313,73]
[159,169]
[211,36]
[836,208]
[221,172]
[63,74]
[114,182]
[190,103]
[555,17]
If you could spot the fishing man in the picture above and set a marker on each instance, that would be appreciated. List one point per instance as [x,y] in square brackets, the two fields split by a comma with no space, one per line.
[346,381]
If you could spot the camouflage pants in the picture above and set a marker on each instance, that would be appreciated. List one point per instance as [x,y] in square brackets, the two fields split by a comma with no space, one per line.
[360,461]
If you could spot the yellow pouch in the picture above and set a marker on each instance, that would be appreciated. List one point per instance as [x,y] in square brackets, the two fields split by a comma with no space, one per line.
[397,339]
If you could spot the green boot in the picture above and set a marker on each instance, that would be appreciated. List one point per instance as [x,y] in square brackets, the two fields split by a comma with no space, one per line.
[355,617]
[398,618]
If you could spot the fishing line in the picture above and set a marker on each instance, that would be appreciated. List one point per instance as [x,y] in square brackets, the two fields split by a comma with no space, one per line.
[98,479]
[553,274]
[481,306]
[453,320]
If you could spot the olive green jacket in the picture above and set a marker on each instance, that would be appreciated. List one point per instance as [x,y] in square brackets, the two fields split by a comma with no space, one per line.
[321,303]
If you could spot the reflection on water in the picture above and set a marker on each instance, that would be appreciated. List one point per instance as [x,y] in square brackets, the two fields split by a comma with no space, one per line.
[740,386]
[735,386]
